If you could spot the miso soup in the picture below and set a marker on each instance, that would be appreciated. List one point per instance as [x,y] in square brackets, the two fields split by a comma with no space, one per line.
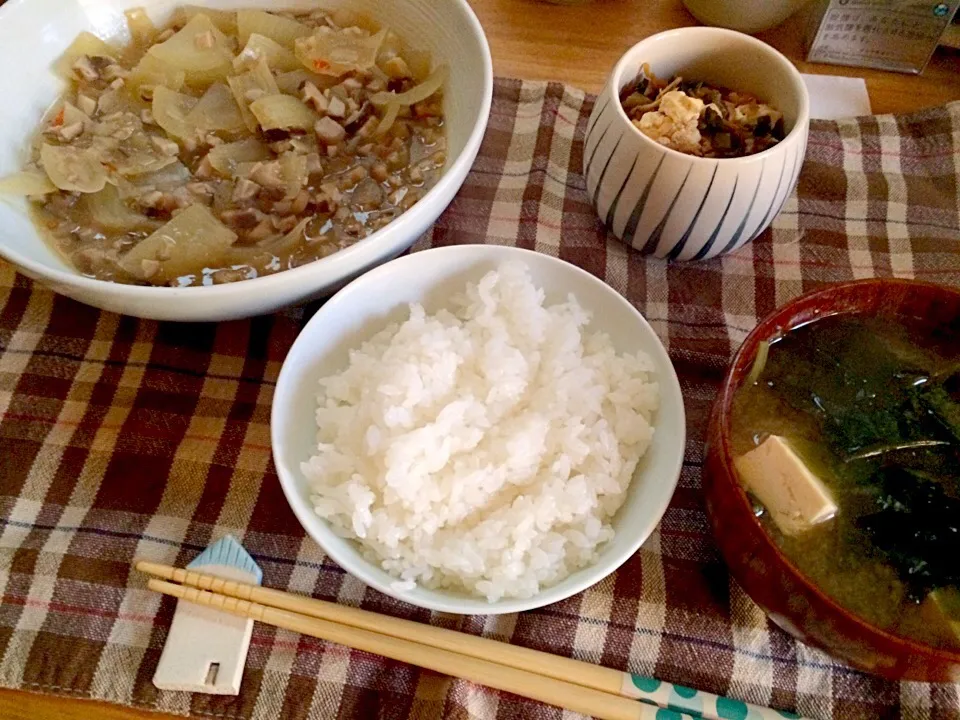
[847,436]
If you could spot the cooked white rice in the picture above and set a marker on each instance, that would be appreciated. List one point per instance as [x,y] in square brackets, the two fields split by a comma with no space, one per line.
[486,447]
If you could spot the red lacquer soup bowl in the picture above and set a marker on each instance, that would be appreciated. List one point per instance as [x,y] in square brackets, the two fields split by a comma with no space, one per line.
[790,599]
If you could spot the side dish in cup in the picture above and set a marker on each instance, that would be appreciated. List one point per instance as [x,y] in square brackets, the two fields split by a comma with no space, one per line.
[699,119]
[831,474]
[232,145]
[677,180]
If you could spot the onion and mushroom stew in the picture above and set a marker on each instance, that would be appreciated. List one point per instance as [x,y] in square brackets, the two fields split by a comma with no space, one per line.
[231,145]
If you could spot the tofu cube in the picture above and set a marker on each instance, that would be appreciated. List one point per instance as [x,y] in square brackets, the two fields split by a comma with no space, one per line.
[795,498]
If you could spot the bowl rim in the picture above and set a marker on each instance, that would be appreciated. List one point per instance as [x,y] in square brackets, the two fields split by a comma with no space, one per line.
[790,70]
[339,264]
[363,569]
[780,320]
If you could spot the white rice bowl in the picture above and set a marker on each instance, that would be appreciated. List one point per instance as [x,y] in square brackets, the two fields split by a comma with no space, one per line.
[484,448]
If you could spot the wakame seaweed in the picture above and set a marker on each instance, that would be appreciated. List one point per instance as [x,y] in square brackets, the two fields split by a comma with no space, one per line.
[940,403]
[889,413]
[917,526]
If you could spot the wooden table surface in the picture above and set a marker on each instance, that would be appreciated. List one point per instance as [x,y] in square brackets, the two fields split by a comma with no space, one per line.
[578,44]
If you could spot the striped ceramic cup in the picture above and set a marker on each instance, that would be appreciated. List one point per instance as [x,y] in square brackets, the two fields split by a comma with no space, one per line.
[681,207]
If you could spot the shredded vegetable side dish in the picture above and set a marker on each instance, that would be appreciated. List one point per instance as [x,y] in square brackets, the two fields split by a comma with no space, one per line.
[231,145]
[699,119]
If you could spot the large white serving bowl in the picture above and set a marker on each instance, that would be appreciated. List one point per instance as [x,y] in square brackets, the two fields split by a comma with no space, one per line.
[33,33]
[671,205]
[381,296]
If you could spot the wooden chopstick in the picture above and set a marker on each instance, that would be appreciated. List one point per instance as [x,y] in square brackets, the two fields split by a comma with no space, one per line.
[520,682]
[521,658]
[566,670]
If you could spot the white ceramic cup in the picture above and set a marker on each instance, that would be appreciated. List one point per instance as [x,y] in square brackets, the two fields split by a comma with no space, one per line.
[747,16]
[671,205]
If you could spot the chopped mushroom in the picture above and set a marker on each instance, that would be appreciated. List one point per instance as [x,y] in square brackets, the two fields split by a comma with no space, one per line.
[85,69]
[329,131]
[201,188]
[312,96]
[71,131]
[115,72]
[245,190]
[378,171]
[313,163]
[164,145]
[241,219]
[269,175]
[262,231]
[158,202]
[205,169]
[336,107]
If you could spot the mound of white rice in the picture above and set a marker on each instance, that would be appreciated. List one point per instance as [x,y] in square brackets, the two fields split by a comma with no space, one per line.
[483,448]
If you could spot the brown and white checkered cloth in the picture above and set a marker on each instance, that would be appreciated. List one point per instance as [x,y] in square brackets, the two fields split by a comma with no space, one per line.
[122,438]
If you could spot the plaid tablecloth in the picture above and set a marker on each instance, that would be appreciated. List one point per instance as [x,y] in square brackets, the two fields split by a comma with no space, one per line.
[122,438]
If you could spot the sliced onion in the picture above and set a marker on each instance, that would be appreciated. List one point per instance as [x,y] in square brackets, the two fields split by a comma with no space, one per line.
[287,243]
[278,58]
[84,44]
[108,210]
[202,65]
[293,167]
[73,169]
[167,179]
[136,156]
[224,20]
[28,182]
[151,72]
[337,53]
[72,114]
[283,112]
[171,111]
[226,158]
[282,30]
[142,29]
[291,82]
[419,62]
[192,240]
[259,79]
[216,110]
[415,94]
[389,117]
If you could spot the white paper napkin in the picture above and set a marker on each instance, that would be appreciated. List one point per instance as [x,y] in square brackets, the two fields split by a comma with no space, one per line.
[833,97]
